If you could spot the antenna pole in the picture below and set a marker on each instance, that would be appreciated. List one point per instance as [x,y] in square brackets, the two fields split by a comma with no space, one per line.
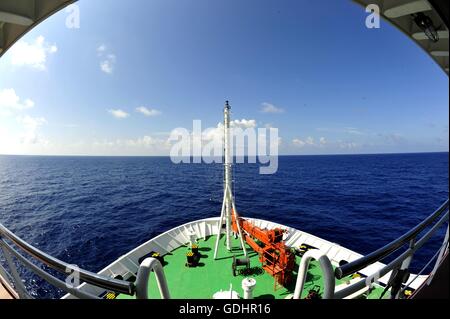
[227,166]
[228,205]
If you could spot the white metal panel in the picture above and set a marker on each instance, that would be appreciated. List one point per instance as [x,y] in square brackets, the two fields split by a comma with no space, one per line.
[400,8]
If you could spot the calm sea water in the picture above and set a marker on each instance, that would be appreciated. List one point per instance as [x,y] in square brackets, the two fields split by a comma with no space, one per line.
[90,210]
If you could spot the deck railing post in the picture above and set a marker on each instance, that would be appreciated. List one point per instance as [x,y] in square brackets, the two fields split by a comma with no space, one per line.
[5,275]
[404,269]
[20,287]
[442,251]
[327,270]
[143,276]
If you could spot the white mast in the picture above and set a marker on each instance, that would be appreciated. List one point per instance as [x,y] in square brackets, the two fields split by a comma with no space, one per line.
[227,171]
[228,204]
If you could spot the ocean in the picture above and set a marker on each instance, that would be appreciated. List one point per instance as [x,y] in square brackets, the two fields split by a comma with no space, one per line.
[89,211]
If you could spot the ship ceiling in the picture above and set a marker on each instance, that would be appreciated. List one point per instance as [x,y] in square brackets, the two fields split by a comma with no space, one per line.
[404,14]
[17,17]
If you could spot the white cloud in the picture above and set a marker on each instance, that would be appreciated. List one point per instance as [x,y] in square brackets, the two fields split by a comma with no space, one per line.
[6,142]
[101,49]
[9,100]
[279,141]
[119,114]
[347,145]
[393,138]
[32,54]
[32,122]
[323,146]
[346,130]
[23,136]
[353,130]
[309,141]
[107,65]
[243,124]
[108,60]
[298,142]
[145,145]
[70,125]
[148,112]
[30,134]
[216,133]
[147,141]
[270,108]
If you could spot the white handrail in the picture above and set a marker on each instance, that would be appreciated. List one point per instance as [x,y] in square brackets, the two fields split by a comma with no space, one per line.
[421,272]
[397,262]
[442,252]
[143,276]
[327,270]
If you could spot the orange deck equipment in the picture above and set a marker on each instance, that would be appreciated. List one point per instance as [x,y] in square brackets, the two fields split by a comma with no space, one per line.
[277,259]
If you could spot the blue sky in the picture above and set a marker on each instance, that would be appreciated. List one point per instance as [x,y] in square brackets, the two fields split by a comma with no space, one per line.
[136,70]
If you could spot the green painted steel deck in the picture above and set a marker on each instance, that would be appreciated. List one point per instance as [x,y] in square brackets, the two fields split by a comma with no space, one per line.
[211,276]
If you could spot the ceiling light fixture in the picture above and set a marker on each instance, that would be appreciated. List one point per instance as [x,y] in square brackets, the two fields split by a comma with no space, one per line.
[426,25]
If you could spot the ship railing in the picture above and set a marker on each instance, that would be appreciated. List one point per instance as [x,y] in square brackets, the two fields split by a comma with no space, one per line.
[143,276]
[327,271]
[399,266]
[72,272]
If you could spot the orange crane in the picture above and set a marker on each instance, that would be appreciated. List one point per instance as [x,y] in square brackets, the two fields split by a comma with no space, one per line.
[277,259]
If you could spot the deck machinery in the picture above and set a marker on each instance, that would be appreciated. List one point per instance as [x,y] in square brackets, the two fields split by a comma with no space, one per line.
[277,259]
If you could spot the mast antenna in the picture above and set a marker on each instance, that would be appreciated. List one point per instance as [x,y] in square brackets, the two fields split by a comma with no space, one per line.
[228,204]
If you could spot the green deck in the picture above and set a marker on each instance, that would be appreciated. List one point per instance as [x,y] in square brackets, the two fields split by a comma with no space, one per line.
[211,276]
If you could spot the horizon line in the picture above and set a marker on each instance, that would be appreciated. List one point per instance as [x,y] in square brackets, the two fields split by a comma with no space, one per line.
[280,155]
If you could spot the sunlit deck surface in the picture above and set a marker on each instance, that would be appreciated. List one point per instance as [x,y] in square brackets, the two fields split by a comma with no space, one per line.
[5,293]
[211,276]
